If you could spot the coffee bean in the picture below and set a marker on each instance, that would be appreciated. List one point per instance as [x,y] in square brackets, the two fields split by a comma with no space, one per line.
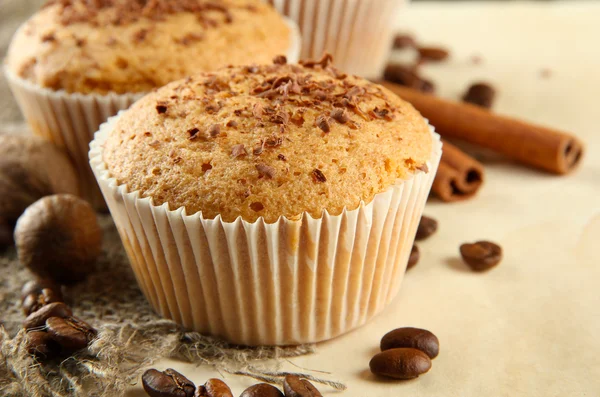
[480,94]
[401,363]
[200,392]
[217,388]
[36,286]
[403,75]
[414,257]
[168,383]
[434,54]
[41,344]
[404,41]
[39,317]
[427,227]
[482,255]
[416,338]
[34,302]
[72,334]
[262,390]
[293,386]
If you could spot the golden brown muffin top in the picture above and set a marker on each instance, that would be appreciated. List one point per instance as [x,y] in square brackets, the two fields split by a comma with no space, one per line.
[273,140]
[102,46]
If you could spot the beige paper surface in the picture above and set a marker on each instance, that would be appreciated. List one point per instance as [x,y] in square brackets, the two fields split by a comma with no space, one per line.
[530,327]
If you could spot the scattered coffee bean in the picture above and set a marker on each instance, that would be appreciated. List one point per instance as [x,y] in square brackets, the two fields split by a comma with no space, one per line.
[262,390]
[71,333]
[414,257]
[404,41]
[36,287]
[34,302]
[400,363]
[434,54]
[482,255]
[41,344]
[168,383]
[416,338]
[480,94]
[293,386]
[427,226]
[403,75]
[217,388]
[39,317]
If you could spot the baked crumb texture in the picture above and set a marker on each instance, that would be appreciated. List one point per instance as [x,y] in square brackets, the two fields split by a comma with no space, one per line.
[273,140]
[121,46]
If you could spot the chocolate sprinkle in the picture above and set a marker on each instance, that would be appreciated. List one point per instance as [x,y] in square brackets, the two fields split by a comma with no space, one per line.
[318,176]
[214,130]
[265,171]
[280,60]
[281,157]
[340,115]
[323,123]
[238,150]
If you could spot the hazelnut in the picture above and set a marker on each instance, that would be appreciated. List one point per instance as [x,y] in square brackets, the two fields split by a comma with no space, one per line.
[31,168]
[58,237]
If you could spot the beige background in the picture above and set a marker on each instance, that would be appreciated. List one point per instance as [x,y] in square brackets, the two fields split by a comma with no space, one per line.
[530,327]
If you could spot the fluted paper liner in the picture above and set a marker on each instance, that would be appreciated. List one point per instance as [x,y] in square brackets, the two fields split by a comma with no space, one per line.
[358,33]
[70,120]
[288,282]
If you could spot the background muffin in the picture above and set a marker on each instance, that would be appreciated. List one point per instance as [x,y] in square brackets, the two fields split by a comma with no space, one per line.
[268,204]
[113,51]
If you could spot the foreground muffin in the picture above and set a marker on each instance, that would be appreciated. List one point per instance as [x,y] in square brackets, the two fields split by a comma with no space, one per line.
[270,204]
[114,51]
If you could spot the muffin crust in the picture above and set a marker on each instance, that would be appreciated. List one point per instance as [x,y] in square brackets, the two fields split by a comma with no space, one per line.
[124,46]
[273,140]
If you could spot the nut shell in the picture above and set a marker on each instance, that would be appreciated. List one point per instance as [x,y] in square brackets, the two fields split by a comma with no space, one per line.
[58,237]
[30,168]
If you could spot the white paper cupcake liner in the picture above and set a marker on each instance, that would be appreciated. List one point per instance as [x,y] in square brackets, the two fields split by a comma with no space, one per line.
[70,120]
[357,33]
[288,282]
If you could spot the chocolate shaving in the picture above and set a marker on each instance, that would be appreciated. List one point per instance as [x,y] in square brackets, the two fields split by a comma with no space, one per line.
[48,37]
[318,176]
[322,122]
[214,130]
[190,38]
[238,150]
[273,142]
[281,157]
[231,123]
[280,60]
[381,114]
[251,69]
[259,149]
[265,171]
[281,117]
[141,35]
[339,115]
[325,61]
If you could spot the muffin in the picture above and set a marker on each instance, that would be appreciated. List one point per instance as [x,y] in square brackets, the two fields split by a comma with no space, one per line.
[75,63]
[357,33]
[272,204]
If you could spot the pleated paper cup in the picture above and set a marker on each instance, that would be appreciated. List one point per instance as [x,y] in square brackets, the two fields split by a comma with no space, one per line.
[258,283]
[358,33]
[70,120]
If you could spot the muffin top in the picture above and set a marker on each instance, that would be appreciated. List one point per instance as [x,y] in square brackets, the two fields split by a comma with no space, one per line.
[103,46]
[273,140]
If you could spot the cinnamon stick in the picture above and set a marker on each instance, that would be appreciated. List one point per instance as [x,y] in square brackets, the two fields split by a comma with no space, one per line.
[459,176]
[540,147]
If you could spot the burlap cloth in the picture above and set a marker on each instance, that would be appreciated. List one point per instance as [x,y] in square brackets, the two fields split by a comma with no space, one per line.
[131,335]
